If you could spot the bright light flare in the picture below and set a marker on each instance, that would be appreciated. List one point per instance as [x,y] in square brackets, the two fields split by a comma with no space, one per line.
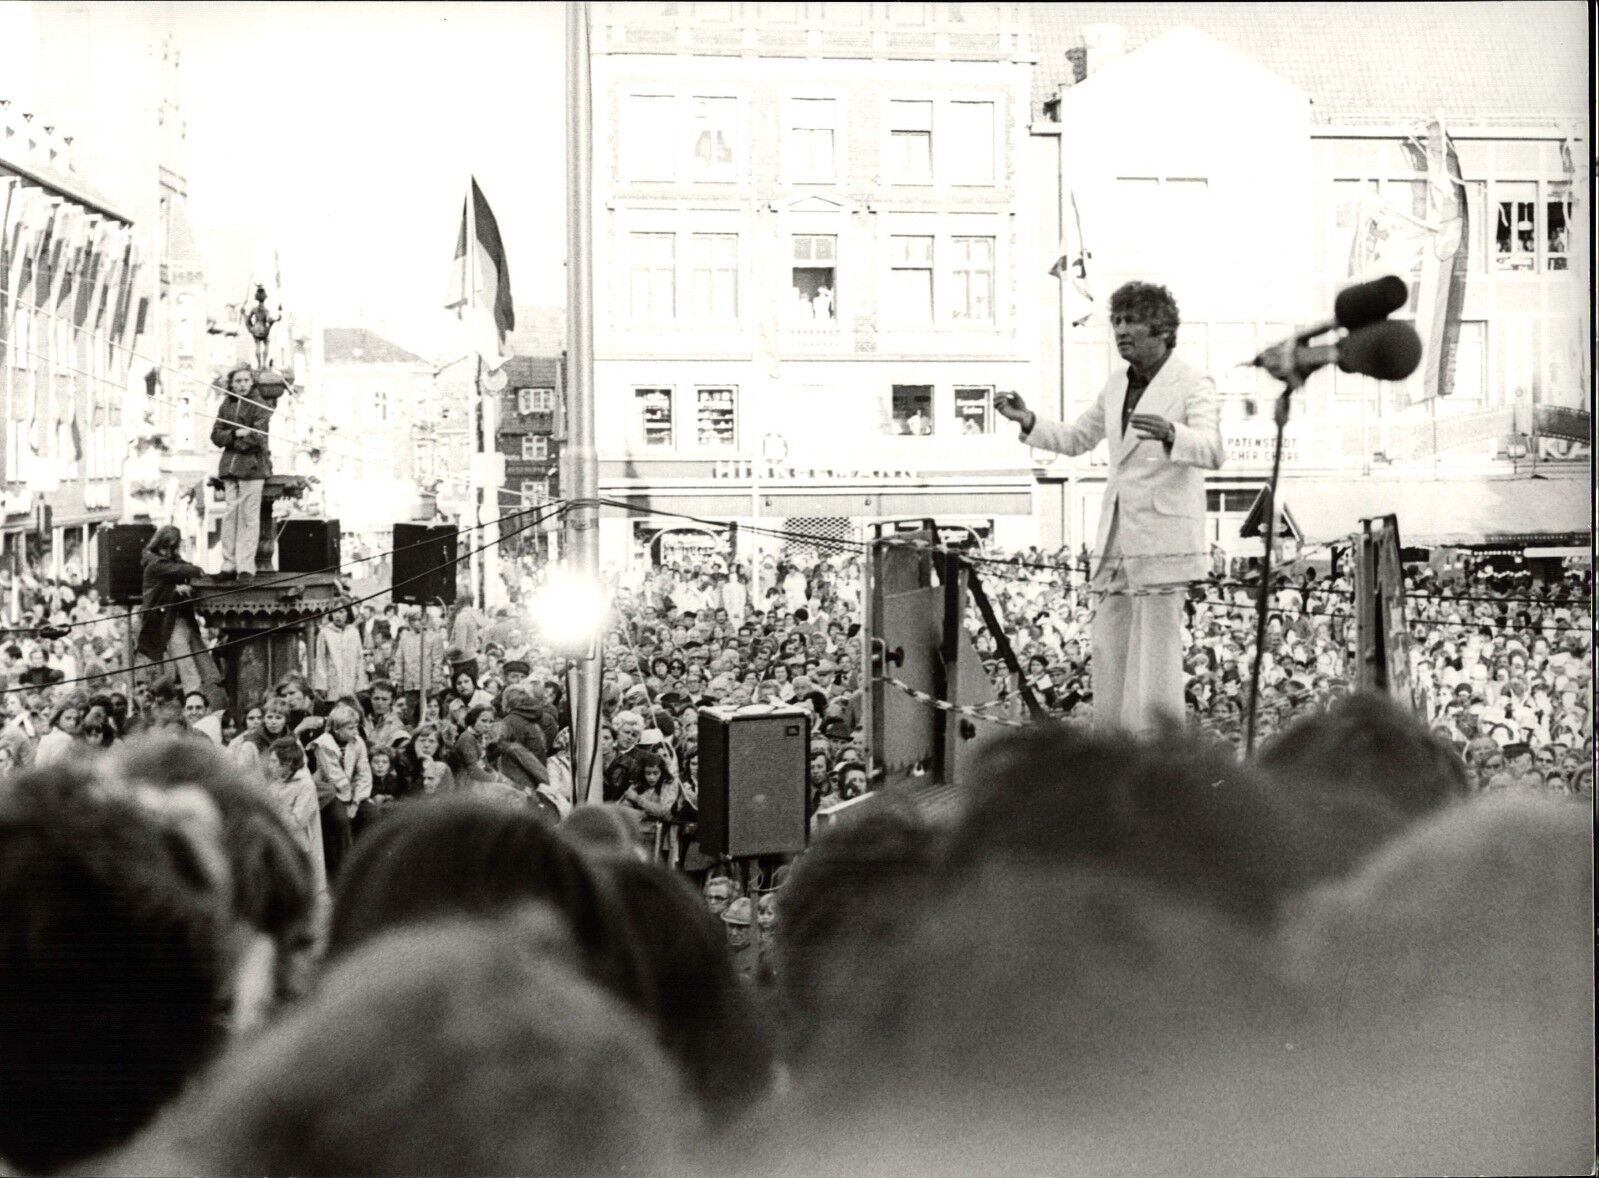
[570,611]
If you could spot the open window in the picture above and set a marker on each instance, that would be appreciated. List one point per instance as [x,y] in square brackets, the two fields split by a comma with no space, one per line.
[814,274]
[911,410]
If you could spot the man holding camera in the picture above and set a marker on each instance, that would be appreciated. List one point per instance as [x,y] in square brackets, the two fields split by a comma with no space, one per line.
[1160,418]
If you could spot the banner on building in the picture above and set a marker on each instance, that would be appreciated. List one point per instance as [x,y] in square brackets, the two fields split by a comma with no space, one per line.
[1443,266]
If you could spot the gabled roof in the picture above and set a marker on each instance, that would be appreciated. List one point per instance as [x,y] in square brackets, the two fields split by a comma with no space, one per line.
[1479,62]
[357,345]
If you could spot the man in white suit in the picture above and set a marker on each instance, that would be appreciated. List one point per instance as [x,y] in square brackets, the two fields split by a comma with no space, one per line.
[1160,418]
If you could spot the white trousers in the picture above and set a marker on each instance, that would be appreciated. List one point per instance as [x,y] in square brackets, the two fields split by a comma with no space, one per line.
[241,524]
[1137,648]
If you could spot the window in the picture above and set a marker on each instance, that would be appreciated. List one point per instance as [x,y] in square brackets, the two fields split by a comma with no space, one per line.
[1557,226]
[654,421]
[814,273]
[714,132]
[714,418]
[970,142]
[1515,232]
[910,141]
[912,409]
[380,405]
[907,13]
[648,137]
[534,492]
[974,410]
[535,401]
[535,447]
[972,278]
[654,276]
[812,127]
[713,276]
[910,289]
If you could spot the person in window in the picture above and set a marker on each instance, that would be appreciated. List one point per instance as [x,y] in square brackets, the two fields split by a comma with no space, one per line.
[1160,418]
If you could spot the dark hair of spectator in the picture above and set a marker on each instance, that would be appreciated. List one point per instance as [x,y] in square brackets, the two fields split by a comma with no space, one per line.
[856,890]
[599,830]
[705,1017]
[466,857]
[289,753]
[1366,744]
[1176,810]
[272,886]
[458,1047]
[163,544]
[111,966]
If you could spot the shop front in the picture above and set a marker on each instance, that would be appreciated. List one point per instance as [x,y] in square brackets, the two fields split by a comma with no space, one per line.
[686,507]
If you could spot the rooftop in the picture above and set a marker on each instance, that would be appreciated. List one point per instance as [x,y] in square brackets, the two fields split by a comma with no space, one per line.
[357,345]
[1480,63]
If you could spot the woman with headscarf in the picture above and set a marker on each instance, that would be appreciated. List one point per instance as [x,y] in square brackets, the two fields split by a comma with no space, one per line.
[169,628]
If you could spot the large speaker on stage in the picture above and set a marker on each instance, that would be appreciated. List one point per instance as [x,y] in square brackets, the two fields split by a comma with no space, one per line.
[425,552]
[121,576]
[752,778]
[308,545]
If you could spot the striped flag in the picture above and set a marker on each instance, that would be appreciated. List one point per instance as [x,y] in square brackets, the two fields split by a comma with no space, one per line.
[480,284]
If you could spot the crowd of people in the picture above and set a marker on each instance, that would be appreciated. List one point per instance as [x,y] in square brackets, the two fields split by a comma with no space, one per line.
[1115,955]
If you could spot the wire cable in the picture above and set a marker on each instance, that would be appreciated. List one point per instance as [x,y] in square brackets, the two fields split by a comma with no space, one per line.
[292,578]
[342,603]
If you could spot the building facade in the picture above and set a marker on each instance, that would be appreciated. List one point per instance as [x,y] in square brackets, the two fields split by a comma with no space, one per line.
[813,266]
[526,433]
[1214,158]
[370,394]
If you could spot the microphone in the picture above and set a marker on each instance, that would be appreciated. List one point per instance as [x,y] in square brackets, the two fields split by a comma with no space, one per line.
[1385,350]
[1355,307]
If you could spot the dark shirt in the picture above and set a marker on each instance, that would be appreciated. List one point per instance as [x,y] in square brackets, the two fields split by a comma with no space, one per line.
[40,677]
[1135,390]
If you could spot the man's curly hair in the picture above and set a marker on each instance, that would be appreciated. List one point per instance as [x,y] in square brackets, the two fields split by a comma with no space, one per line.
[1149,303]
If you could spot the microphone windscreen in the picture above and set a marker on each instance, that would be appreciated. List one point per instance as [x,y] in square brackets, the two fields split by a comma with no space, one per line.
[1356,306]
[1388,351]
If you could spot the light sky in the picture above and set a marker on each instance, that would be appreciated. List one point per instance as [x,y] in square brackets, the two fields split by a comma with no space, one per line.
[342,135]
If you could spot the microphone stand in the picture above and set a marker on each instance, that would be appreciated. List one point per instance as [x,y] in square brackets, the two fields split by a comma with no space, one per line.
[1280,364]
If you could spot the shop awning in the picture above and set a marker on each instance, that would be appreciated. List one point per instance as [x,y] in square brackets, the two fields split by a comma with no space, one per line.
[1443,511]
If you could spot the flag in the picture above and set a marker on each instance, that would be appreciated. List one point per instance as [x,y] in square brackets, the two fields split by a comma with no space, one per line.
[480,285]
[1071,266]
[1443,266]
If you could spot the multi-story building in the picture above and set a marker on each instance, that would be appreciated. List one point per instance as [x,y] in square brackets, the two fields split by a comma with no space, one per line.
[526,433]
[1223,160]
[813,265]
[368,391]
[530,408]
[82,315]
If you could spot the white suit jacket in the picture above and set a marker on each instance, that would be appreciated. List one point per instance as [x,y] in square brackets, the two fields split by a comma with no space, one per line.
[1160,496]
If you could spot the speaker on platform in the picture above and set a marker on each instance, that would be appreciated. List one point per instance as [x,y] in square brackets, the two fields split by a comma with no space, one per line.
[753,781]
[424,564]
[308,545]
[121,576]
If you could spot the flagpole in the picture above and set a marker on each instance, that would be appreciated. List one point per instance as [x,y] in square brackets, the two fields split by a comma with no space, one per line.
[581,540]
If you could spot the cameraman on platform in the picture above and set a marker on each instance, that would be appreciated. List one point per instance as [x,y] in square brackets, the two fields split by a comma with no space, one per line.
[1151,536]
